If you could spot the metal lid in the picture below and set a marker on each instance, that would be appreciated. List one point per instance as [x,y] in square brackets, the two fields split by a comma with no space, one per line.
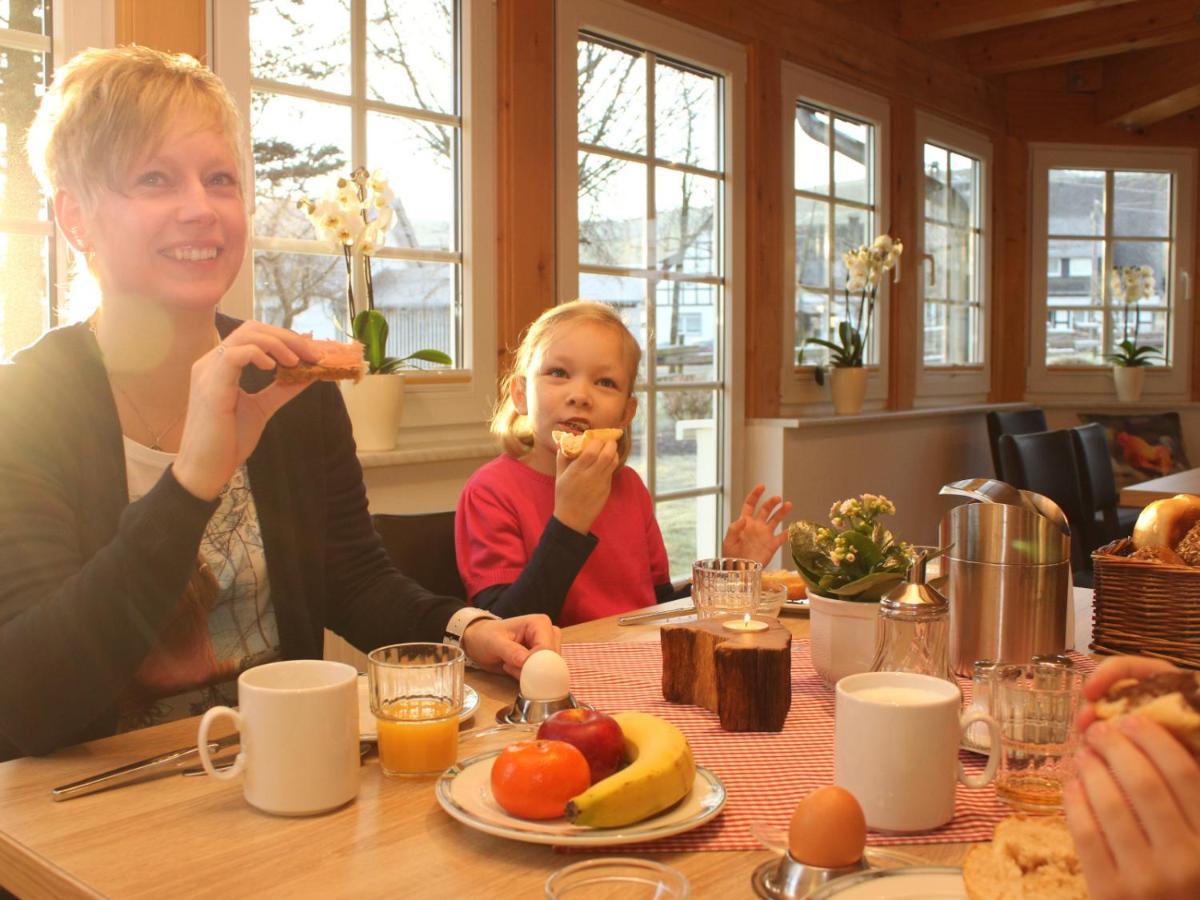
[1006,526]
[914,594]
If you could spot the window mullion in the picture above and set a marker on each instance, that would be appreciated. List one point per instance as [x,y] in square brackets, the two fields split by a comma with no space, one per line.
[651,287]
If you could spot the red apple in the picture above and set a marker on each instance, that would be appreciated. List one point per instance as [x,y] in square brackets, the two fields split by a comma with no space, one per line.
[597,736]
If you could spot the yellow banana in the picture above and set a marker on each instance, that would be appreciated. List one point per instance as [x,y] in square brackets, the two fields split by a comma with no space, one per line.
[660,774]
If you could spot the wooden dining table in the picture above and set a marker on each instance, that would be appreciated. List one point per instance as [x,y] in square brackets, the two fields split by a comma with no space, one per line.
[178,836]
[1186,482]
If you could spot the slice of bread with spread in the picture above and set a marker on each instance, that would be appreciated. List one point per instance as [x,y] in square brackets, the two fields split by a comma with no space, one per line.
[572,444]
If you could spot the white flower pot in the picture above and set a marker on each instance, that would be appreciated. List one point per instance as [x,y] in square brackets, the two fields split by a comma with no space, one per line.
[843,636]
[1129,381]
[849,387]
[375,405]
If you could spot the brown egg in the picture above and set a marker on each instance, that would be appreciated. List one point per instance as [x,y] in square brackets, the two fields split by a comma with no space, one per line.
[828,829]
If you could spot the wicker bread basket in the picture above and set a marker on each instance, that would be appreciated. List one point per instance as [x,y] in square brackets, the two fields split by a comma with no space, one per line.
[1144,607]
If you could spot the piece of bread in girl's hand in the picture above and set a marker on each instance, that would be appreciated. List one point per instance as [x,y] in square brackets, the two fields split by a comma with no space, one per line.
[335,362]
[1029,856]
[1172,699]
[572,445]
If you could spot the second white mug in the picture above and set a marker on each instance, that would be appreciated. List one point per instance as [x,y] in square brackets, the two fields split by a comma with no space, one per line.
[896,740]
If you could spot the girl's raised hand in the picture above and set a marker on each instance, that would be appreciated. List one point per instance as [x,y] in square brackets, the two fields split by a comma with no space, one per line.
[582,485]
[753,534]
[224,422]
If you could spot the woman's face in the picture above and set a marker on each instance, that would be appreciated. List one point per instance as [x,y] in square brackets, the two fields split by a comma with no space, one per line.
[174,230]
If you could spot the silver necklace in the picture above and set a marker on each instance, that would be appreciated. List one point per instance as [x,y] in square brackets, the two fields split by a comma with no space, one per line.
[156,437]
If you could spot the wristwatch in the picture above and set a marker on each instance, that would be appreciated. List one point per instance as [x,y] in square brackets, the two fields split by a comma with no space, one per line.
[458,624]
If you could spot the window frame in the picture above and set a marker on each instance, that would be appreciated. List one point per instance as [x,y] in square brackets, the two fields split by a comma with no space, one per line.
[939,385]
[434,399]
[798,387]
[652,32]
[1166,383]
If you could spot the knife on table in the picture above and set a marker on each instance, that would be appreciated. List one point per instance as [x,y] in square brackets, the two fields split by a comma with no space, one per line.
[164,762]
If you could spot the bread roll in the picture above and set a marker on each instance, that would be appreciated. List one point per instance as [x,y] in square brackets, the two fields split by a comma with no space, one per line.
[572,444]
[1163,523]
[1031,857]
[793,581]
[1172,699]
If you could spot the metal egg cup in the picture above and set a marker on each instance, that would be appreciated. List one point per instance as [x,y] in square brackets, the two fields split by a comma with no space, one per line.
[789,879]
[534,712]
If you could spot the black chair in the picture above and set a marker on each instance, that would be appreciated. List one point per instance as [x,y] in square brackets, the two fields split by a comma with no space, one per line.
[1044,462]
[1098,486]
[422,547]
[1017,421]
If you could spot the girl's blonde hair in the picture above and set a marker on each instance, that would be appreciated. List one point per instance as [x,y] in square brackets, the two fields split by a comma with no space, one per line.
[107,107]
[512,427]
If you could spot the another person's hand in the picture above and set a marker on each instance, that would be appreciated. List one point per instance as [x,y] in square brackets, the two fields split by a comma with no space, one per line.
[582,485]
[753,534]
[1134,810]
[224,422]
[503,645]
[1108,673]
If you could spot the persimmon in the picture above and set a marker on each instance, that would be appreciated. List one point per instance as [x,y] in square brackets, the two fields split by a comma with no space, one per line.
[535,779]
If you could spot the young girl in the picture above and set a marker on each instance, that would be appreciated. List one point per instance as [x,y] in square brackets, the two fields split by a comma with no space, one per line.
[575,539]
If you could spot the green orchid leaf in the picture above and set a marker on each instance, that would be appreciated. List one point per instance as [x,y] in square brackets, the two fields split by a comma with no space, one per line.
[371,330]
[430,356]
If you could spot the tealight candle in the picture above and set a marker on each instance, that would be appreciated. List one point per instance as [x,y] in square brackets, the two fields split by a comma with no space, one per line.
[745,624]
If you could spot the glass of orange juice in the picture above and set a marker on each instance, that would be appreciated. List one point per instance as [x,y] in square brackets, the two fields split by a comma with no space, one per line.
[416,695]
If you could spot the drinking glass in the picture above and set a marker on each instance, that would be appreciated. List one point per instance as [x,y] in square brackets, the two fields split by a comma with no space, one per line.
[725,586]
[618,878]
[416,693]
[1036,706]
[770,599]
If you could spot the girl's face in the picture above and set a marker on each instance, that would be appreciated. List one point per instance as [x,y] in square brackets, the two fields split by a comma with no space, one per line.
[579,379]
[174,230]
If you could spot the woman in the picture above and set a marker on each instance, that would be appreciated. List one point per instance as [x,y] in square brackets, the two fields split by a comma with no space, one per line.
[169,516]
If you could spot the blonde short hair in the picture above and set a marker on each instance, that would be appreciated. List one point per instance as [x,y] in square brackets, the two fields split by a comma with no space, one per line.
[511,426]
[107,107]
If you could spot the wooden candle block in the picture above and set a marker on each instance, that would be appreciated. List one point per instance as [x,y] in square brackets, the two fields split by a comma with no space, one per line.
[744,677]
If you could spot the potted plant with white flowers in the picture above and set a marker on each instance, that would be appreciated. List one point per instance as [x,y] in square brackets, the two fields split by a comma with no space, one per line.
[356,214]
[848,565]
[865,267]
[1129,284]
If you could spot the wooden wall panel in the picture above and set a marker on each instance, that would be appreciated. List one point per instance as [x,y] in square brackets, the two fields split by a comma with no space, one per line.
[146,22]
[1009,346]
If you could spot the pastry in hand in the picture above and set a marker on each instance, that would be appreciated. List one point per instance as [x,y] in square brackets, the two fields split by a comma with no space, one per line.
[1172,699]
[572,444]
[336,362]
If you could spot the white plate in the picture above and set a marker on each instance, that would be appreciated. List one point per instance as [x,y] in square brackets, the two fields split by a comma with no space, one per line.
[464,791]
[796,606]
[918,883]
[367,729]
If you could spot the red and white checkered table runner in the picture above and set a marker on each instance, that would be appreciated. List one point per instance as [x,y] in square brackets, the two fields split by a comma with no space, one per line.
[765,773]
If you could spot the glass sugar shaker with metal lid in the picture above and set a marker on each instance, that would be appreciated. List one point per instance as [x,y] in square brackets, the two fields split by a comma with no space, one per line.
[913,634]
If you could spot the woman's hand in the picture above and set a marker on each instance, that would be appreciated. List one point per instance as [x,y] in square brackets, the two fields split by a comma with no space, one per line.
[582,485]
[503,645]
[224,422]
[752,535]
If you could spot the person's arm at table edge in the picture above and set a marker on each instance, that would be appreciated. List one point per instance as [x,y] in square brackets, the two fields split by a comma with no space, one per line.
[543,584]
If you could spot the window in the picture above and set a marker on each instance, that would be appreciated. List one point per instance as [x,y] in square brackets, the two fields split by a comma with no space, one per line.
[645,165]
[383,84]
[26,234]
[835,159]
[1095,209]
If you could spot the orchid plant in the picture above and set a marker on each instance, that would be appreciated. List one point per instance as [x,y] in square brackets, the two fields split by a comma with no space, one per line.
[355,215]
[865,268]
[855,557]
[1129,284]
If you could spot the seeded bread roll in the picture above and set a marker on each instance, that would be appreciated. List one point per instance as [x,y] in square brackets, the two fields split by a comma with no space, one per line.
[1030,857]
[1164,523]
[572,444]
[1172,699]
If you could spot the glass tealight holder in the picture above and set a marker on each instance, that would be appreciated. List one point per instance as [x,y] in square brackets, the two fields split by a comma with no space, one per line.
[770,599]
[618,878]
[725,586]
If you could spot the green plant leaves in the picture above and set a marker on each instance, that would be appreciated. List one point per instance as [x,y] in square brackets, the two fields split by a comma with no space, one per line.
[1132,356]
[371,330]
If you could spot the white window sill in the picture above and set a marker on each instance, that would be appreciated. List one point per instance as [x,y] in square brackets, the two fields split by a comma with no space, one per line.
[432,445]
[884,416]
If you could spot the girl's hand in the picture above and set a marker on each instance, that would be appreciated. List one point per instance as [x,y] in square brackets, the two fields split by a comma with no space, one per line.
[503,645]
[1134,812]
[752,535]
[1109,673]
[582,485]
[224,422]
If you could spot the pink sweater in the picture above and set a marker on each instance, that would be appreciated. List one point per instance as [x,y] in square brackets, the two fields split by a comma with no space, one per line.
[503,511]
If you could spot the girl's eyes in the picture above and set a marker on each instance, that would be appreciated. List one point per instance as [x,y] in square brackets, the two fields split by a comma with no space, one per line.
[223,179]
[152,179]
[607,382]
[557,372]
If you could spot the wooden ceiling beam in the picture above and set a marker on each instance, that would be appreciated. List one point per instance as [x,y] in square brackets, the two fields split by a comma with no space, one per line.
[936,20]
[1088,35]
[1149,86]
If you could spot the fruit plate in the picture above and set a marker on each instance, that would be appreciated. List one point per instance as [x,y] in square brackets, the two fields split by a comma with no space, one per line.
[368,730]
[464,791]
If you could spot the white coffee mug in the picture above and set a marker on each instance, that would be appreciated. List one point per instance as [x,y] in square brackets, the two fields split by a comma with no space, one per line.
[895,748]
[298,721]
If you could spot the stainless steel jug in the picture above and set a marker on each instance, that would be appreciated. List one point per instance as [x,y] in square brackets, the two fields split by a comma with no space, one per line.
[1009,571]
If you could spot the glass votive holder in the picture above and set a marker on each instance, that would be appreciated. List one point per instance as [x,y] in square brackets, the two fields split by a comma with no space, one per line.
[725,586]
[416,693]
[770,599]
[618,878]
